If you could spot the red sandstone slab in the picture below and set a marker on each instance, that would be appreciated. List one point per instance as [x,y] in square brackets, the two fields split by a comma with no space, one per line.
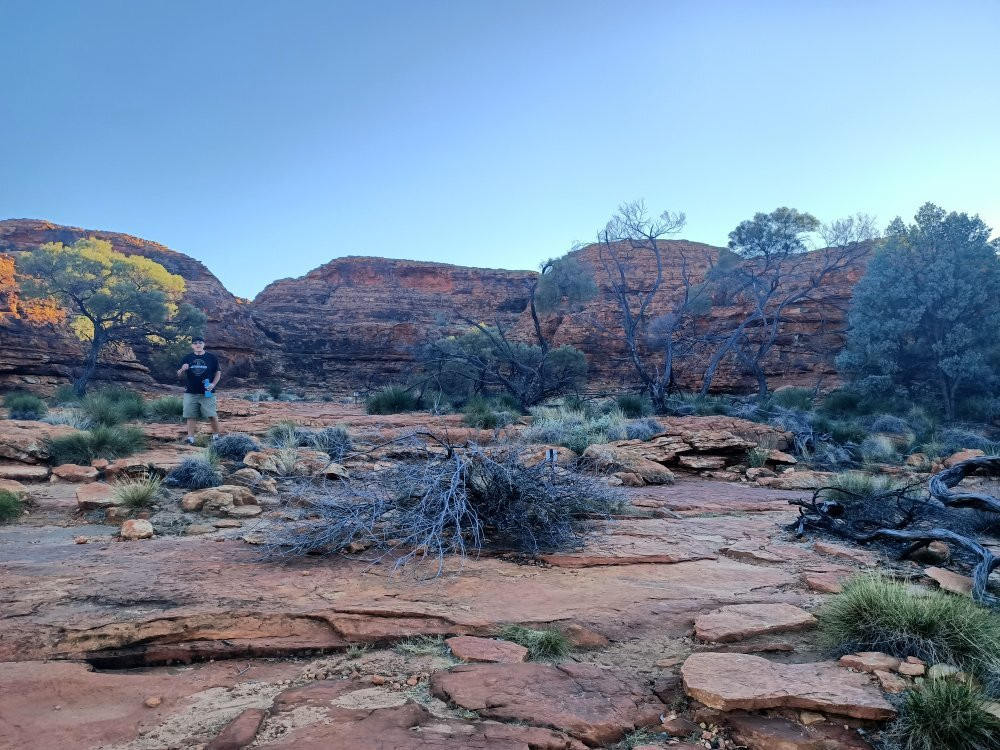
[740,621]
[473,649]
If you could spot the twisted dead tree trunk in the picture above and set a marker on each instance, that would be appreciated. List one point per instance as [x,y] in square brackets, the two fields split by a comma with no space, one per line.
[888,515]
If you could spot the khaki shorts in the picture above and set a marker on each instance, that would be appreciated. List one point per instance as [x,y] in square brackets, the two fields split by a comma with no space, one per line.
[197,406]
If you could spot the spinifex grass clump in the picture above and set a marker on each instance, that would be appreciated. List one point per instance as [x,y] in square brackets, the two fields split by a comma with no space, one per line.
[167,408]
[541,644]
[392,399]
[334,441]
[487,414]
[874,613]
[11,506]
[101,442]
[23,405]
[633,405]
[468,501]
[945,714]
[112,406]
[195,473]
[137,492]
[234,446]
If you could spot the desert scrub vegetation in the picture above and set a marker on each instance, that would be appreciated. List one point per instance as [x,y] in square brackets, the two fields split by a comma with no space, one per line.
[166,408]
[24,405]
[945,714]
[577,430]
[393,399]
[334,441]
[488,413]
[422,645]
[195,473]
[113,406]
[425,512]
[100,442]
[70,417]
[633,405]
[542,644]
[11,506]
[139,491]
[875,613]
[234,446]
[848,487]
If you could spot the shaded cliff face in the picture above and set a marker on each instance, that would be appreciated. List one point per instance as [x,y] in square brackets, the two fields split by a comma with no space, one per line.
[42,348]
[356,322]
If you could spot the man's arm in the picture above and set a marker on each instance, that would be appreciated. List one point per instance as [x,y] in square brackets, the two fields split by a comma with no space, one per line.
[215,380]
[184,368]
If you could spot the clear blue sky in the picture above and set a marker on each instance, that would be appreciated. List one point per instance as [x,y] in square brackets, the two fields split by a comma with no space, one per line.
[265,138]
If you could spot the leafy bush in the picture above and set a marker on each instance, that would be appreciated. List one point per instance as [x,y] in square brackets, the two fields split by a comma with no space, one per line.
[392,399]
[234,446]
[23,405]
[874,613]
[632,405]
[137,492]
[702,406]
[166,408]
[70,417]
[955,439]
[979,409]
[421,513]
[101,442]
[195,473]
[541,644]
[11,506]
[945,714]
[879,449]
[793,398]
[274,390]
[847,432]
[334,441]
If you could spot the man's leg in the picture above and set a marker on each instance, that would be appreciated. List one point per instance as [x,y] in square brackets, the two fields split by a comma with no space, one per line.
[191,414]
[215,425]
[192,428]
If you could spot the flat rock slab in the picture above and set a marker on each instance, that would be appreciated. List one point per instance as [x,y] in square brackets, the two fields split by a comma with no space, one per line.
[631,542]
[775,733]
[953,582]
[473,649]
[744,682]
[23,472]
[75,473]
[870,661]
[96,496]
[740,621]
[689,496]
[597,706]
[853,554]
[27,441]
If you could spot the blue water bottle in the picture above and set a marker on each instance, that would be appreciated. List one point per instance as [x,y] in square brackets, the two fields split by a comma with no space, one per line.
[208,383]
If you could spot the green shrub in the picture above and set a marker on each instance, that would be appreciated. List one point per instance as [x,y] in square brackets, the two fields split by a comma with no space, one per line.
[575,403]
[642,429]
[137,492]
[793,398]
[701,406]
[945,715]
[857,486]
[573,429]
[847,432]
[633,405]
[112,406]
[956,439]
[130,404]
[874,613]
[890,425]
[195,473]
[488,414]
[286,434]
[274,390]
[11,506]
[757,456]
[167,408]
[65,395]
[393,399]
[234,446]
[23,405]
[422,645]
[979,409]
[541,644]
[101,442]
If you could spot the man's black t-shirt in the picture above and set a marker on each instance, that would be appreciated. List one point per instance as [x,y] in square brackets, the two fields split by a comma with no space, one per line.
[200,368]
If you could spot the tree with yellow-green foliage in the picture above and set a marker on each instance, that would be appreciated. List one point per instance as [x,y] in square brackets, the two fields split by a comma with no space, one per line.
[111,298]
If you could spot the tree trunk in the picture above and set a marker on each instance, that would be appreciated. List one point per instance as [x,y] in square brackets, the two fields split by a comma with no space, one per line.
[89,364]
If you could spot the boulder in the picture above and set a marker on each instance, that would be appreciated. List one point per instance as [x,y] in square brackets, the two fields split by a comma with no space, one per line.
[597,706]
[742,681]
[780,457]
[12,485]
[737,622]
[797,480]
[472,649]
[776,733]
[262,461]
[689,461]
[136,528]
[870,661]
[953,582]
[75,473]
[26,441]
[957,458]
[617,458]
[214,500]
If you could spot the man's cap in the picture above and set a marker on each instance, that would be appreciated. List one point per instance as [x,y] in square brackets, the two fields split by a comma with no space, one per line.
[196,339]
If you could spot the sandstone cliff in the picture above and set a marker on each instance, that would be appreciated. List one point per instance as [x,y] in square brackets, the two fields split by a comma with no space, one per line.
[357,321]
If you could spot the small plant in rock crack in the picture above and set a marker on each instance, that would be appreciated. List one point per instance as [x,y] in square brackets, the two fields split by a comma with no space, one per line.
[355,651]
[544,644]
[422,645]
[137,492]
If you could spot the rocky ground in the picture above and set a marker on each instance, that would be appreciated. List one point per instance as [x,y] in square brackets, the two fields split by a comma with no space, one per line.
[691,621]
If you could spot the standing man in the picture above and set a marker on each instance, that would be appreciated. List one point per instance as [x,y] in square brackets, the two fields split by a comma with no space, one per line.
[201,372]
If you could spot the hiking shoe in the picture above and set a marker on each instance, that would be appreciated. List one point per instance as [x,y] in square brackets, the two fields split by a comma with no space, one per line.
[189,440]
